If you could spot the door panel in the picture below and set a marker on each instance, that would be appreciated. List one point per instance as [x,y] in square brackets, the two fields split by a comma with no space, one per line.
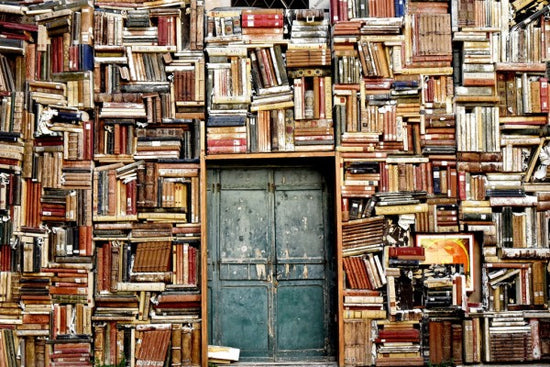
[244,244]
[268,239]
[299,234]
[300,315]
[246,318]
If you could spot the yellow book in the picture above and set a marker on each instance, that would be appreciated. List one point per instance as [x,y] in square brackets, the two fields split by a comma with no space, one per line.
[401,209]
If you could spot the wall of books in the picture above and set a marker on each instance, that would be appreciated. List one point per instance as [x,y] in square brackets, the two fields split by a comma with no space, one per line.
[101,183]
[441,110]
[435,112]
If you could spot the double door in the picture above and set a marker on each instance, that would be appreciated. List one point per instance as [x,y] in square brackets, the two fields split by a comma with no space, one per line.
[270,263]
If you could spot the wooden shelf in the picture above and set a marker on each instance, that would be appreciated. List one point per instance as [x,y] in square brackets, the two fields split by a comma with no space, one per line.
[276,155]
[522,67]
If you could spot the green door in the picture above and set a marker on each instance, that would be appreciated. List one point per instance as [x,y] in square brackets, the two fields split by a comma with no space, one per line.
[270,264]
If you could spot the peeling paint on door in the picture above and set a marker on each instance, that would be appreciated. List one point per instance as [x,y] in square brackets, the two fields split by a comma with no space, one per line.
[260,268]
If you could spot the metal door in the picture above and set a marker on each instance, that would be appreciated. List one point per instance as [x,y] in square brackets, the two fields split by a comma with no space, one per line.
[270,272]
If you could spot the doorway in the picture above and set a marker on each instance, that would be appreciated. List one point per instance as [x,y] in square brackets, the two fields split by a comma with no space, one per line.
[271,266]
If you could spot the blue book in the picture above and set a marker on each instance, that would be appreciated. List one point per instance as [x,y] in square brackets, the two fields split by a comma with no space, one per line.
[399,8]
[86,57]
[226,120]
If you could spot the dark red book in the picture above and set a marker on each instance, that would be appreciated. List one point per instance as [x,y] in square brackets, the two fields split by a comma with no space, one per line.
[162,31]
[262,23]
[271,15]
[412,253]
[19,26]
[409,335]
[192,265]
[164,299]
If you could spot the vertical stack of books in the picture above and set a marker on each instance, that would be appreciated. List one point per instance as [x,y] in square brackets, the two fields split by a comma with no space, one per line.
[309,63]
[53,231]
[14,139]
[509,338]
[399,344]
[442,333]
[150,97]
[272,99]
[228,87]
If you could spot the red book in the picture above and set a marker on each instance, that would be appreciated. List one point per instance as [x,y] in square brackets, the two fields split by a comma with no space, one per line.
[62,319]
[384,172]
[345,209]
[457,290]
[36,319]
[178,298]
[453,184]
[52,212]
[399,335]
[106,266]
[544,95]
[111,195]
[131,197]
[64,348]
[178,305]
[68,362]
[192,279]
[162,31]
[8,161]
[228,149]
[124,146]
[19,26]
[48,141]
[226,142]
[117,146]
[38,73]
[113,340]
[5,258]
[251,15]
[429,179]
[60,55]
[55,317]
[17,36]
[87,235]
[73,357]
[178,263]
[262,23]
[69,290]
[406,251]
[343,10]
[53,58]
[265,68]
[462,185]
[361,292]
[322,111]
[334,11]
[346,263]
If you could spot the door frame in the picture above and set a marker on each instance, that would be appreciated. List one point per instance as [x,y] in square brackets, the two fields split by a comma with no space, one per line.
[326,167]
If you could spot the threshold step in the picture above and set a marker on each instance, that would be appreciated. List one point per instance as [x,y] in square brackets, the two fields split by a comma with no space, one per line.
[282,364]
